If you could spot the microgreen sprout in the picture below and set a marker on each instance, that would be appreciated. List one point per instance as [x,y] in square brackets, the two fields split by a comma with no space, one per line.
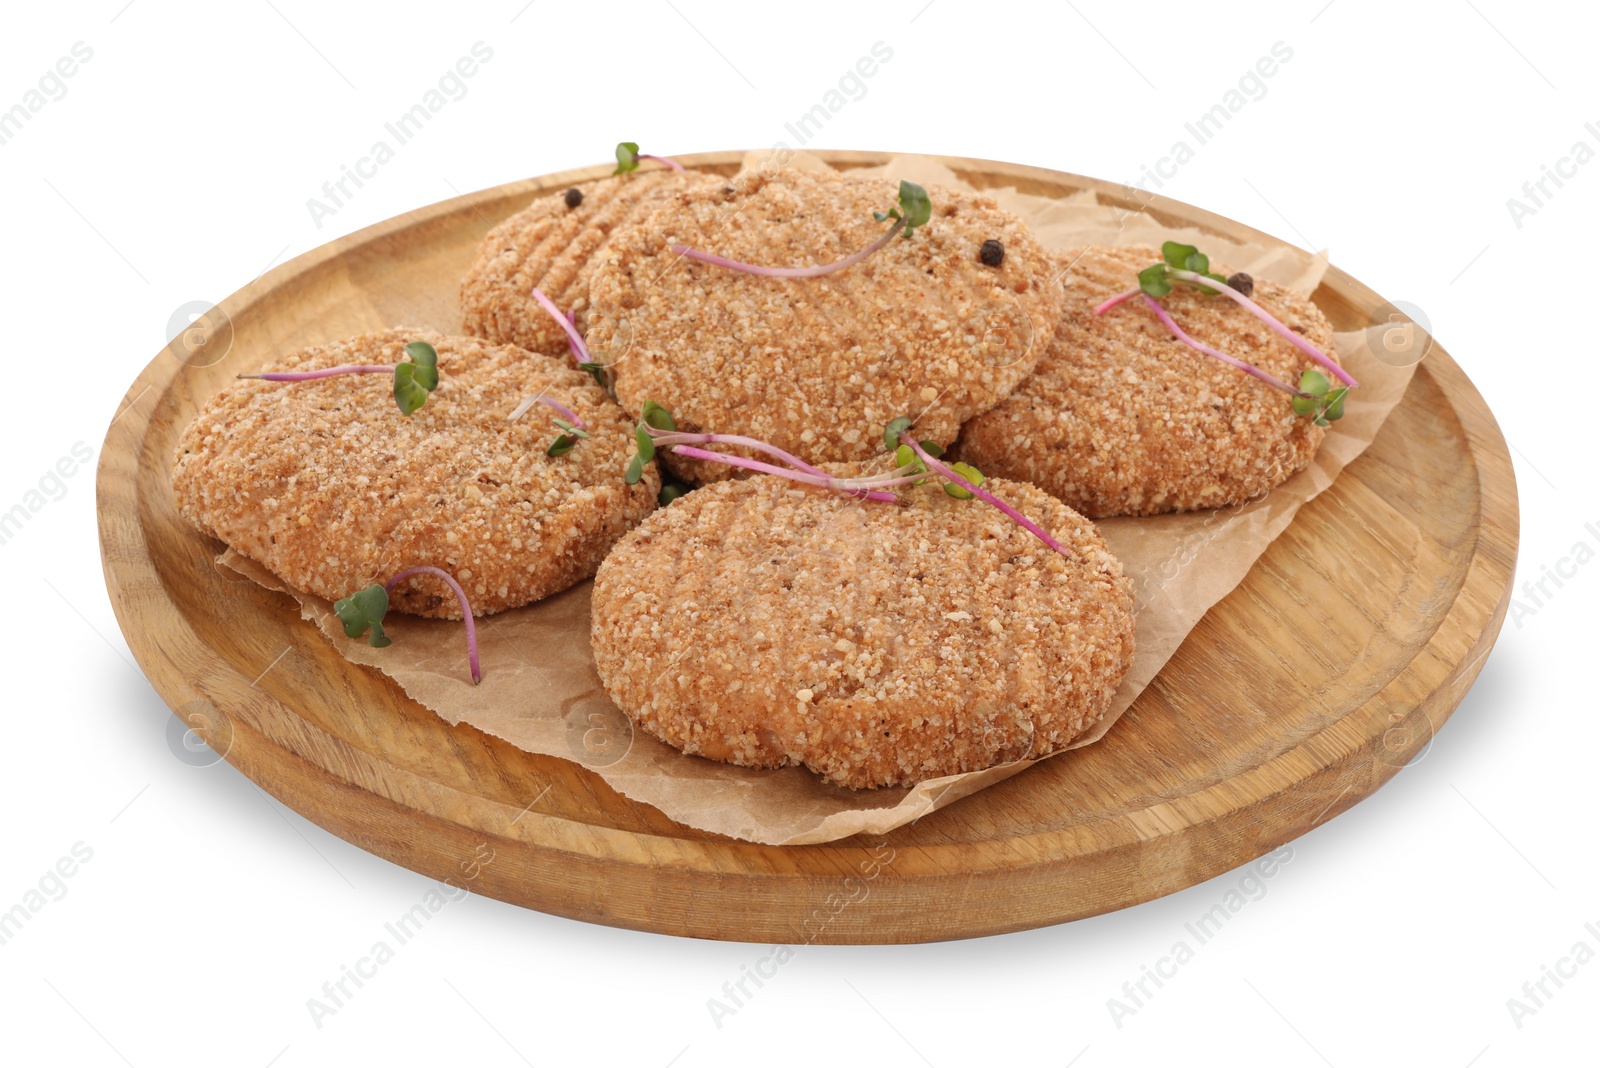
[658,430]
[628,157]
[413,379]
[913,209]
[1187,265]
[567,440]
[362,611]
[573,428]
[915,462]
[958,477]
[365,609]
[1314,399]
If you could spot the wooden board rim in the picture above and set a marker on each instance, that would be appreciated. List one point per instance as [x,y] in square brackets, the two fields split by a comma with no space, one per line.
[1478,608]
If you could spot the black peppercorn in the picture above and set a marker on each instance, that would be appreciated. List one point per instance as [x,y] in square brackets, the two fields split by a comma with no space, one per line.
[574,197]
[992,253]
[1242,283]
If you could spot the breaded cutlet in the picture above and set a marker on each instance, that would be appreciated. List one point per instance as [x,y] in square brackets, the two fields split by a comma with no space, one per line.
[765,624]
[555,246]
[332,488]
[922,328]
[1121,418]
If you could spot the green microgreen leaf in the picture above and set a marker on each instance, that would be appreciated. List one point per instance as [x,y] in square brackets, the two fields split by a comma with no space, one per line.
[652,416]
[892,432]
[915,205]
[1335,403]
[364,610]
[561,446]
[932,448]
[570,429]
[627,157]
[1314,382]
[414,380]
[656,415]
[905,456]
[968,472]
[597,371]
[1154,281]
[409,394]
[671,491]
[885,216]
[426,359]
[1178,255]
[1318,400]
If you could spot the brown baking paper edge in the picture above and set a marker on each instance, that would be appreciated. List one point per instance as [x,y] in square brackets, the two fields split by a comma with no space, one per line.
[540,691]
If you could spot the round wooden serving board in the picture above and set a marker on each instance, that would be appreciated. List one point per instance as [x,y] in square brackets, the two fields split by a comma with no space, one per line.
[1347,646]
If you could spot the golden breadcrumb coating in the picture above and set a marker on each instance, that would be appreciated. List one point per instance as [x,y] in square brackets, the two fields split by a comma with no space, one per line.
[766,624]
[819,366]
[327,484]
[556,248]
[1121,418]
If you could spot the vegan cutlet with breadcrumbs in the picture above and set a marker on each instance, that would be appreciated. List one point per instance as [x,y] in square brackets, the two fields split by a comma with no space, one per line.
[330,486]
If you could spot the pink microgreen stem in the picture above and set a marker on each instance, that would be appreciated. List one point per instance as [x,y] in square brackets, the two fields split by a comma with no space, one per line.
[466,609]
[580,351]
[668,160]
[944,471]
[572,321]
[674,437]
[327,372]
[857,485]
[820,479]
[556,406]
[1105,306]
[901,476]
[563,411]
[1271,320]
[1248,368]
[792,272]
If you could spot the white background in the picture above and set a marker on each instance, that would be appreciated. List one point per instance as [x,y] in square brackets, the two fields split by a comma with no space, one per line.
[176,168]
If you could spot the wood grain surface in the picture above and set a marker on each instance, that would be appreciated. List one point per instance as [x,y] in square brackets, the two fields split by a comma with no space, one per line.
[1332,665]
